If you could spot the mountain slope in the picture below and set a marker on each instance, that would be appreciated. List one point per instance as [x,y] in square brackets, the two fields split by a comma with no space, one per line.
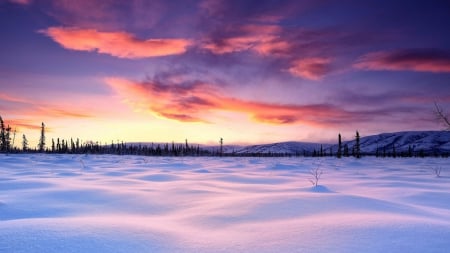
[290,147]
[427,142]
[416,142]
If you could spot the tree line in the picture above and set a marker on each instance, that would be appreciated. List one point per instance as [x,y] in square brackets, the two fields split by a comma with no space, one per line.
[75,146]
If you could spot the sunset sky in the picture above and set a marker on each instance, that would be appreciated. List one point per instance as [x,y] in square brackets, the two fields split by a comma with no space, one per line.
[246,71]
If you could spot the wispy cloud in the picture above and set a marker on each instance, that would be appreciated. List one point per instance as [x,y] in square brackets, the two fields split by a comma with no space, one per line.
[9,98]
[303,53]
[20,124]
[422,60]
[310,68]
[196,101]
[266,11]
[24,107]
[23,2]
[118,44]
[108,15]
[241,38]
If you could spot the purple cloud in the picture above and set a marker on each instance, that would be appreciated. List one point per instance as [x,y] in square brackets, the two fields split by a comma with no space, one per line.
[422,60]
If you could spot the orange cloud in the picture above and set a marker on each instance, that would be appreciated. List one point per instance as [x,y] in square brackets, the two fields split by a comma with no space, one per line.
[423,60]
[60,112]
[118,44]
[16,105]
[310,68]
[19,124]
[195,102]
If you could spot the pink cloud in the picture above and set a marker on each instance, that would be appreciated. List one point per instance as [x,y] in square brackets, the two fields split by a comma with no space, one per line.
[19,124]
[10,98]
[273,47]
[196,102]
[16,105]
[422,60]
[310,68]
[118,44]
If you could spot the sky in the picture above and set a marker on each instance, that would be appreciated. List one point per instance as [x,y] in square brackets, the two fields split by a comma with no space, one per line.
[245,71]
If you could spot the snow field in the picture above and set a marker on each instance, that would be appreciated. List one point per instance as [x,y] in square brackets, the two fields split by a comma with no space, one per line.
[79,203]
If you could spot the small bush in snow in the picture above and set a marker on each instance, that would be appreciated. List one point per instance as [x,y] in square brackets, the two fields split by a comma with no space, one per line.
[437,170]
[83,166]
[316,173]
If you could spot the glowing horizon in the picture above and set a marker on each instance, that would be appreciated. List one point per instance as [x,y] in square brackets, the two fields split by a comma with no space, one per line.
[248,72]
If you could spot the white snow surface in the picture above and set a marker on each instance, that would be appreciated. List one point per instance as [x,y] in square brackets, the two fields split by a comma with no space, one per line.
[105,203]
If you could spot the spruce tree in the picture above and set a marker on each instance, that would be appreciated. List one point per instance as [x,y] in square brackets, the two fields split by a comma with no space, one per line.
[24,143]
[357,147]
[2,135]
[42,139]
[8,139]
[77,145]
[339,152]
[14,138]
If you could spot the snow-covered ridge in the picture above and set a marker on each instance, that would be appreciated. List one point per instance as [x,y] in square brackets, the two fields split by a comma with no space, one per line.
[290,147]
[423,142]
[427,142]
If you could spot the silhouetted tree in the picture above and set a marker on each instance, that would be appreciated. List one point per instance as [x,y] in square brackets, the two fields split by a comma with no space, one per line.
[8,139]
[442,116]
[2,135]
[72,146]
[77,145]
[339,151]
[14,138]
[346,153]
[357,146]
[42,139]
[24,143]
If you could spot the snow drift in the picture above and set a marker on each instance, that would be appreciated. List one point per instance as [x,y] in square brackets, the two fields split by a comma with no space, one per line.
[79,203]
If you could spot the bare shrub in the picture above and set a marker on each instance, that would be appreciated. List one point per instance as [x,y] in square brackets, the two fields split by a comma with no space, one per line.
[441,116]
[316,173]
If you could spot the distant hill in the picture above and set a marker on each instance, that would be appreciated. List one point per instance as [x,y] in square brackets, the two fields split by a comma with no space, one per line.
[290,147]
[427,142]
[417,142]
